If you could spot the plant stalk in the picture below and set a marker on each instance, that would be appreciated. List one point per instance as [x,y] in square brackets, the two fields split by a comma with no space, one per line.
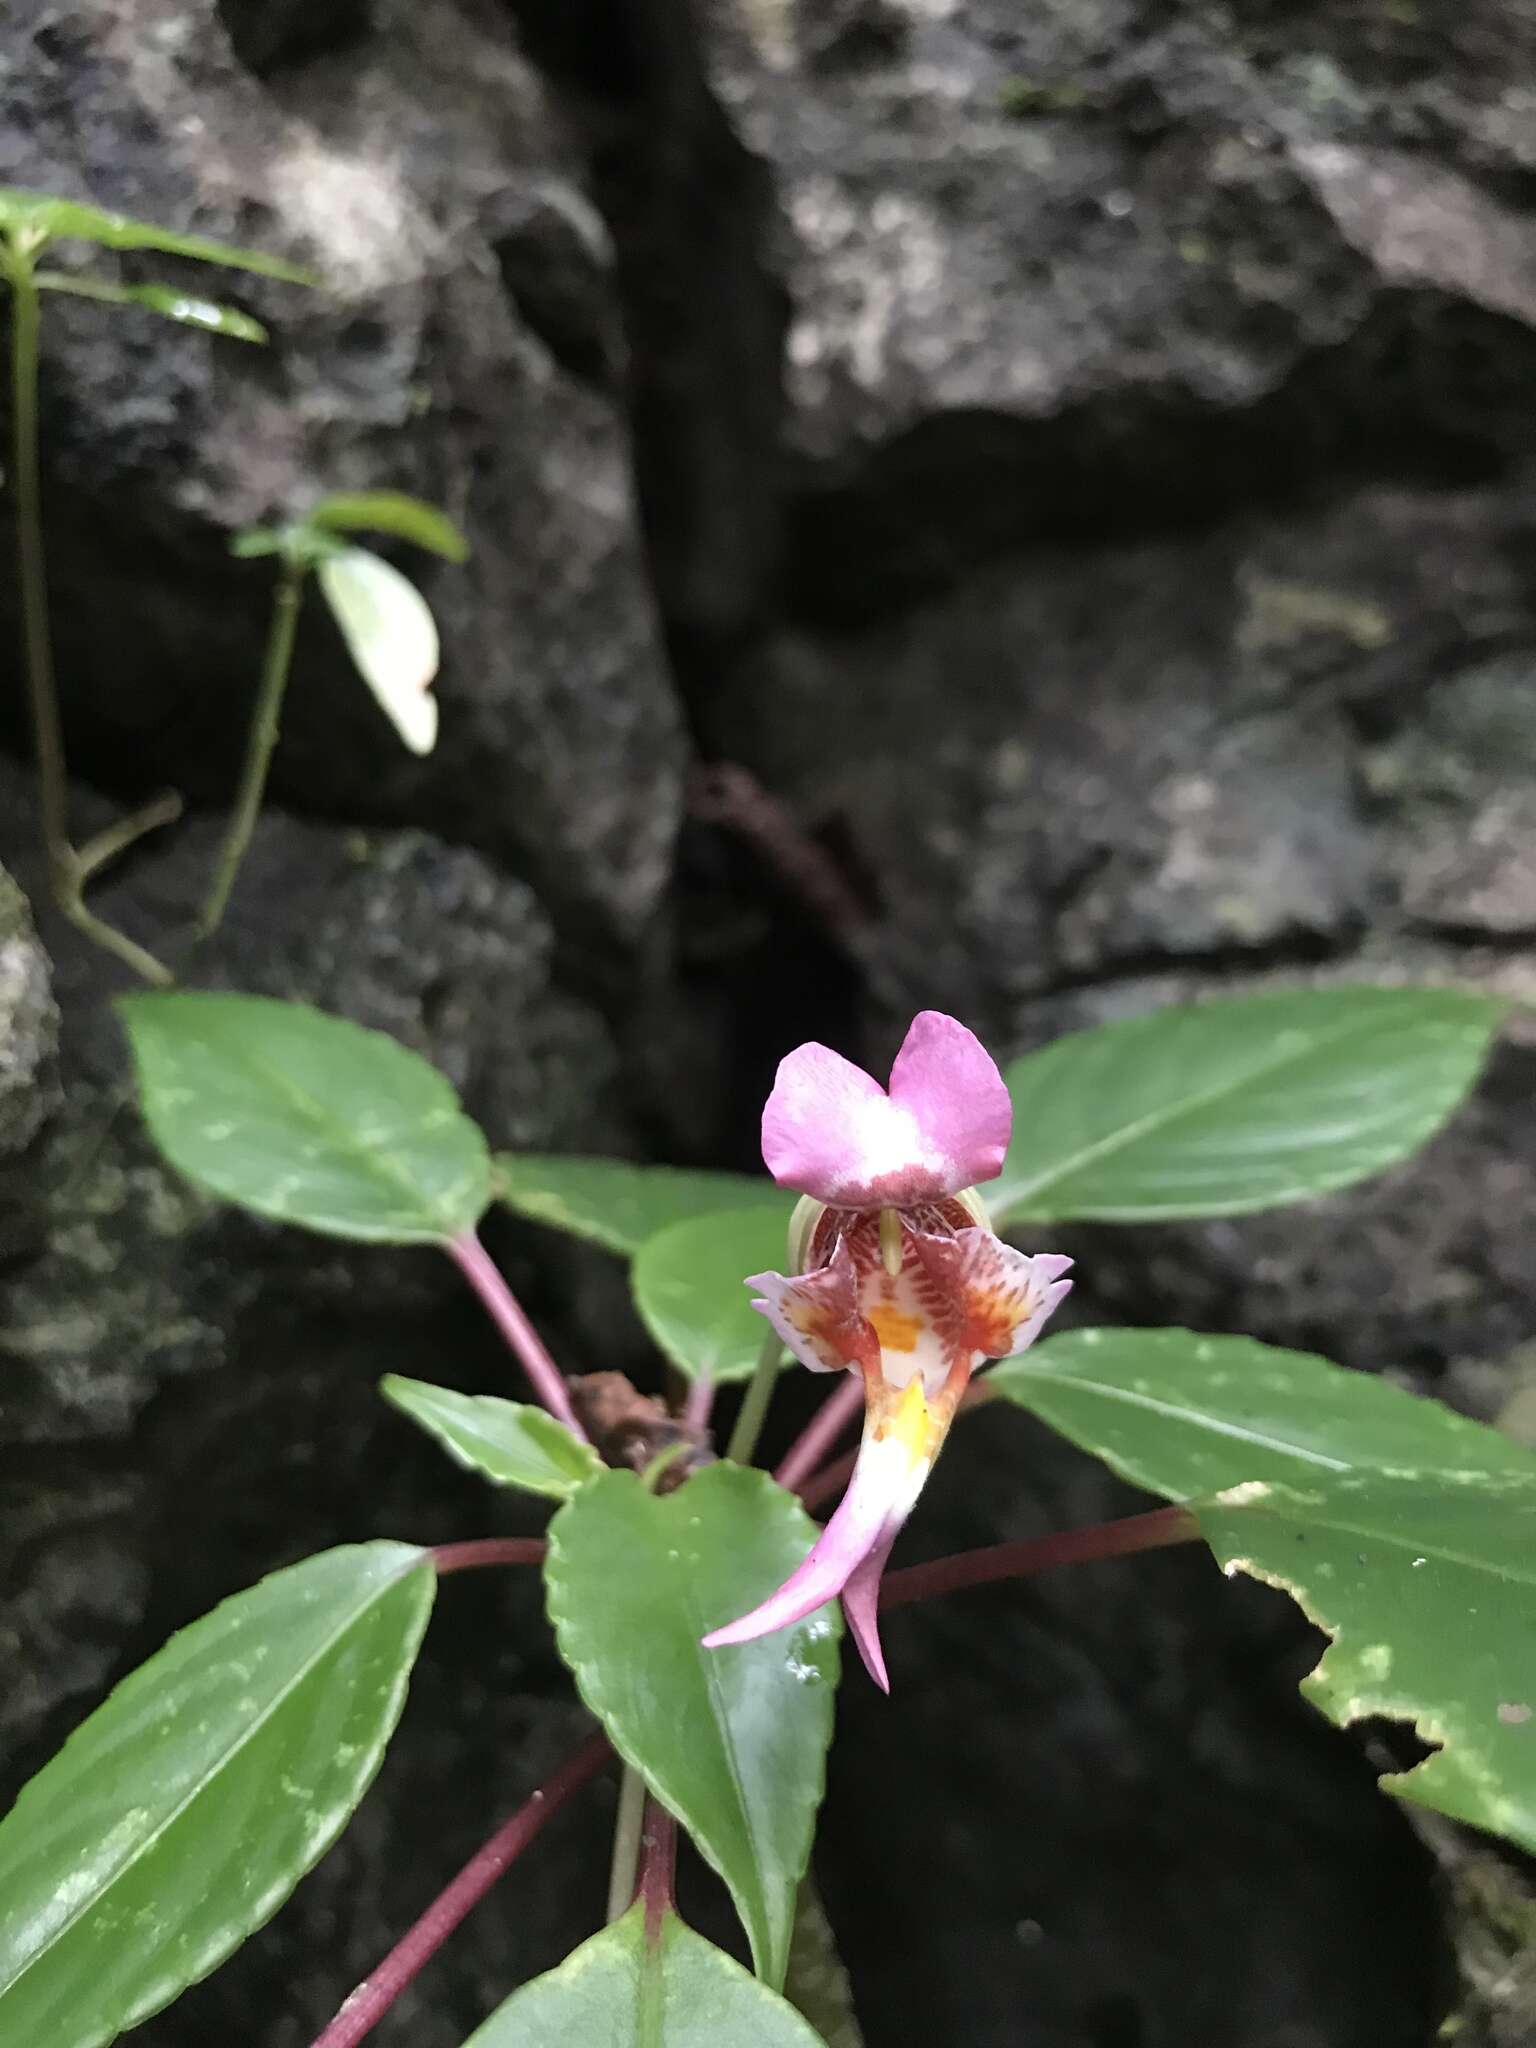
[260,742]
[1158,1530]
[32,576]
[628,1831]
[484,1550]
[506,1312]
[658,1864]
[821,1432]
[367,2005]
[66,872]
[754,1403]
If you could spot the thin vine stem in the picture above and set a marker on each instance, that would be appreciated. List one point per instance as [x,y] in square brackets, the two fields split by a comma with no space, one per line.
[829,1480]
[1159,1530]
[628,1831]
[31,571]
[266,722]
[658,1865]
[66,870]
[367,2005]
[506,1312]
[834,1415]
[485,1550]
[755,1402]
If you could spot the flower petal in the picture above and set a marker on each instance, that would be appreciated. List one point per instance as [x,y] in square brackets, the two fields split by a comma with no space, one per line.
[832,1132]
[861,1607]
[818,1315]
[886,1482]
[995,1300]
[949,1082]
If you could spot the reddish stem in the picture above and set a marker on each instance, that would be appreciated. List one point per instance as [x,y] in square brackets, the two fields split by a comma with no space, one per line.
[1155,1531]
[829,1480]
[699,1405]
[463,1557]
[821,1432]
[368,2004]
[506,1312]
[658,1866]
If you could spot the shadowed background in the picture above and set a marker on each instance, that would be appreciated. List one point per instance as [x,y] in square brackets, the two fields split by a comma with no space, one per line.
[1024,509]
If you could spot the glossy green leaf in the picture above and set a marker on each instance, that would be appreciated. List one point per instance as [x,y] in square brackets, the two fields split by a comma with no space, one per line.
[1236,1104]
[1427,1584]
[68,220]
[618,1205]
[1184,1415]
[689,1287]
[618,1991]
[391,512]
[307,1118]
[180,1815]
[508,1442]
[390,634]
[163,299]
[732,1741]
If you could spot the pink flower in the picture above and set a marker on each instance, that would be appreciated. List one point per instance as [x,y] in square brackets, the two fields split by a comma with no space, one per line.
[898,1276]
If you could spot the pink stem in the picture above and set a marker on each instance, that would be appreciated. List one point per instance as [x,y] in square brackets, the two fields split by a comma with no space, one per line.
[697,1407]
[829,1480]
[1154,1531]
[822,1432]
[505,1311]
[377,1993]
[658,1865]
[463,1557]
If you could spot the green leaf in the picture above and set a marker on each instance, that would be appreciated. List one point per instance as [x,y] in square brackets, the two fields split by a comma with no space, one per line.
[181,1814]
[732,1741]
[68,220]
[1427,1584]
[391,512]
[164,299]
[251,542]
[1183,1415]
[688,1284]
[390,634]
[307,1118]
[619,1205]
[508,1442]
[617,1991]
[1237,1104]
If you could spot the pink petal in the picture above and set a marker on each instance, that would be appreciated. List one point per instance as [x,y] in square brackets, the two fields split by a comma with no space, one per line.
[949,1081]
[861,1607]
[886,1482]
[832,1132]
[818,1315]
[995,1300]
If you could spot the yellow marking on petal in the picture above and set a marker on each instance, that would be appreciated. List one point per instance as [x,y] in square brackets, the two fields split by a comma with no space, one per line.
[911,1422]
[896,1329]
[890,1241]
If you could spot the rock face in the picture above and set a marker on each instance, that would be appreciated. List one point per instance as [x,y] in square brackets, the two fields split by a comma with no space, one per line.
[462,347]
[1081,521]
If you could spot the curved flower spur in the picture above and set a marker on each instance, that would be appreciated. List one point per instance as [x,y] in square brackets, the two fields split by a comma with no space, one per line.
[896,1275]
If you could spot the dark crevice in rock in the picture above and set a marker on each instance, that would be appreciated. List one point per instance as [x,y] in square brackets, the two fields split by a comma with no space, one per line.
[1517,941]
[692,214]
[1298,951]
[270,36]
[1427,390]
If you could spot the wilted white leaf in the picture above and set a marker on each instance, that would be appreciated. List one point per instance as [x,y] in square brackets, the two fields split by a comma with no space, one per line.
[392,637]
